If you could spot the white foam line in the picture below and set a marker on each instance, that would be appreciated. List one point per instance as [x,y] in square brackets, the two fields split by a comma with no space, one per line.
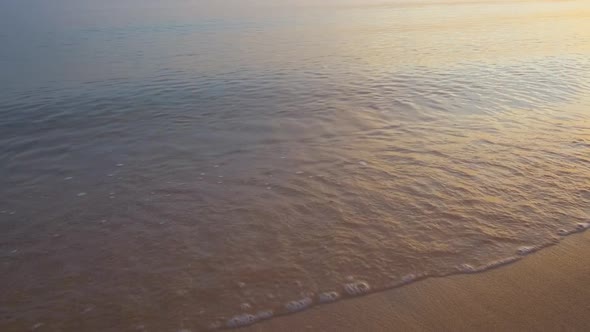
[328,297]
[526,250]
[299,305]
[580,227]
[241,320]
[358,288]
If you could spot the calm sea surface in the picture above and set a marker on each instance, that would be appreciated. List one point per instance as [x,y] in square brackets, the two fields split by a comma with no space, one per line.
[169,165]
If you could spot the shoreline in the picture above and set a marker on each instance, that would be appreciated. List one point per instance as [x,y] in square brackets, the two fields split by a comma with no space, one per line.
[541,291]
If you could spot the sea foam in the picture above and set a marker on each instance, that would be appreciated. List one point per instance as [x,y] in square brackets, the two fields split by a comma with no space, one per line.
[357,288]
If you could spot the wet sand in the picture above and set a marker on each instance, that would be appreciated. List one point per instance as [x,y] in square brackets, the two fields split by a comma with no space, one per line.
[546,291]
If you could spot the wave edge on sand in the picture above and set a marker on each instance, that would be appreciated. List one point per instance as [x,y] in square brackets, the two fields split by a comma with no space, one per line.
[359,288]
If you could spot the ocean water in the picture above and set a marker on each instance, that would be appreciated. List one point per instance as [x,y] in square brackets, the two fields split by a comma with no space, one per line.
[198,164]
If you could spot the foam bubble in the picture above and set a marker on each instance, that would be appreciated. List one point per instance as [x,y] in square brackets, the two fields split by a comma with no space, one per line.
[526,250]
[241,320]
[357,288]
[328,297]
[466,268]
[580,227]
[500,262]
[408,278]
[36,326]
[299,305]
[265,314]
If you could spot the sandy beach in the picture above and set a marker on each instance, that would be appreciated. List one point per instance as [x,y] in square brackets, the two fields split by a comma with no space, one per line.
[546,291]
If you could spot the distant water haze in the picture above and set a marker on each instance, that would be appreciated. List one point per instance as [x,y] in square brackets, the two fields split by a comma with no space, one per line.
[173,165]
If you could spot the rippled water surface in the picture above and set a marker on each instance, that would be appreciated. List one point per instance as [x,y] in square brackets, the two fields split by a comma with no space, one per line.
[169,165]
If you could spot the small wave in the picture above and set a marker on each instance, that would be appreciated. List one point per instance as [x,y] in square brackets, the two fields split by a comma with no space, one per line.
[359,288]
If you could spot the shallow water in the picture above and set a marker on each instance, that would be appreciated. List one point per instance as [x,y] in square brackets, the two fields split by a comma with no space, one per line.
[168,166]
